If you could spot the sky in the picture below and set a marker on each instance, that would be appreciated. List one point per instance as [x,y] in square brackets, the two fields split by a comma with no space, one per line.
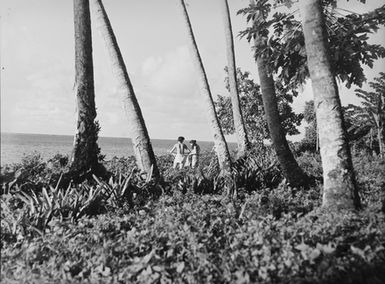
[37,65]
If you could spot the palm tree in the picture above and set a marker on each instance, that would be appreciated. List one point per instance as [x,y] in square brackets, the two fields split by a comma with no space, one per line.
[219,139]
[340,191]
[239,125]
[292,172]
[144,153]
[85,150]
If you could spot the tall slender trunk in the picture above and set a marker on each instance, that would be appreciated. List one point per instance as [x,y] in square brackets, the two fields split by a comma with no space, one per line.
[143,151]
[292,172]
[85,151]
[219,139]
[377,122]
[239,125]
[371,139]
[317,139]
[380,143]
[340,191]
[381,120]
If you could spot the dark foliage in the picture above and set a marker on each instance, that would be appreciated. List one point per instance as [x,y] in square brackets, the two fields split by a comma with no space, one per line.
[180,230]
[252,107]
[285,46]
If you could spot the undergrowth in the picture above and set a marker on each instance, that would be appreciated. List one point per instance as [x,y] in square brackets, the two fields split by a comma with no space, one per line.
[182,229]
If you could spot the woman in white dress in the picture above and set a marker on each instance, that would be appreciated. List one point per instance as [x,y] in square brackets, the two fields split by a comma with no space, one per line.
[181,150]
[194,153]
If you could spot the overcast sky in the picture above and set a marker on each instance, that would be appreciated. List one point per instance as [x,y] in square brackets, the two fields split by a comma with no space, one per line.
[37,65]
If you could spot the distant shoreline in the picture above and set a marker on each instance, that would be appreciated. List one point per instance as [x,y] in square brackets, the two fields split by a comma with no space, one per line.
[15,146]
[114,137]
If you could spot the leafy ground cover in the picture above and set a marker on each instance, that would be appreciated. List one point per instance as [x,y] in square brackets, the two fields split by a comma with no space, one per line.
[183,230]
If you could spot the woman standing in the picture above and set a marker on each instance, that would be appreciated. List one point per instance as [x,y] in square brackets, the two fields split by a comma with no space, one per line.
[181,151]
[194,154]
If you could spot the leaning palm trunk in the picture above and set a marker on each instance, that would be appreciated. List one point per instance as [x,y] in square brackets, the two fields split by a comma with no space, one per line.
[378,122]
[219,139]
[85,151]
[380,143]
[292,172]
[144,153]
[239,125]
[340,191]
[381,120]
[290,169]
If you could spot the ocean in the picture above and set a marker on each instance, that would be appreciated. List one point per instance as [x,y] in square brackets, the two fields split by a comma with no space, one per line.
[14,146]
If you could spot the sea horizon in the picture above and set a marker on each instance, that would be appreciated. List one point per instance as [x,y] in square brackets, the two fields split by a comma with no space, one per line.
[15,146]
[101,136]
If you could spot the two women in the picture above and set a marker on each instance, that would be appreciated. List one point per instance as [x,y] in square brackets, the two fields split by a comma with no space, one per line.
[184,156]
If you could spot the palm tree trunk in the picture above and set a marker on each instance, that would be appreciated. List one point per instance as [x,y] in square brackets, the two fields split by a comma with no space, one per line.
[239,125]
[290,169]
[340,191]
[381,119]
[371,140]
[317,139]
[292,172]
[143,151]
[380,142]
[85,151]
[219,139]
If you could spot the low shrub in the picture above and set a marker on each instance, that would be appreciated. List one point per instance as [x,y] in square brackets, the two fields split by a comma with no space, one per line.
[310,163]
[32,173]
[180,230]
[258,169]
[370,173]
[187,238]
[120,166]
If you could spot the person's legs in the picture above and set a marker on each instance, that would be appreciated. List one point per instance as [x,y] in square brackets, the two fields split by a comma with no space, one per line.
[182,162]
[187,162]
[175,164]
[178,161]
[193,161]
